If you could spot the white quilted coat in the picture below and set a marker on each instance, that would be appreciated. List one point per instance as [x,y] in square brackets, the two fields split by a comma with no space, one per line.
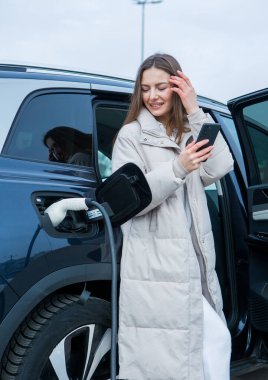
[160,305]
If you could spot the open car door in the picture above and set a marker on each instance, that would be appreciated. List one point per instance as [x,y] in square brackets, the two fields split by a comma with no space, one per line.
[250,114]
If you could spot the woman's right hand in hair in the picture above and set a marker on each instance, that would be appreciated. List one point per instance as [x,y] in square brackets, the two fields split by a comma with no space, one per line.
[190,159]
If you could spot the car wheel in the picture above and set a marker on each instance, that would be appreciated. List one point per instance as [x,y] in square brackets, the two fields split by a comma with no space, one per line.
[62,339]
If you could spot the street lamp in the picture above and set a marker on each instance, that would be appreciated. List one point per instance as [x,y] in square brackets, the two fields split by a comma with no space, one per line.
[143,3]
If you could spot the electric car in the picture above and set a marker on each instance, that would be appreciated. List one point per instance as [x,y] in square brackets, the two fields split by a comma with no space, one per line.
[56,134]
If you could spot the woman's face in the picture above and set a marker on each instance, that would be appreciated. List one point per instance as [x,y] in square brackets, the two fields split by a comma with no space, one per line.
[55,151]
[157,93]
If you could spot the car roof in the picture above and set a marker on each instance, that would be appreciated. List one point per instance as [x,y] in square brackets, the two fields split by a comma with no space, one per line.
[47,73]
[98,81]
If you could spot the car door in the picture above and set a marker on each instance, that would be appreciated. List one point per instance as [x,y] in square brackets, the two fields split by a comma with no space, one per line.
[48,126]
[250,114]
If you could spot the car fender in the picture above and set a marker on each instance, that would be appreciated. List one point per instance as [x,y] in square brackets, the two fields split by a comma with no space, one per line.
[45,286]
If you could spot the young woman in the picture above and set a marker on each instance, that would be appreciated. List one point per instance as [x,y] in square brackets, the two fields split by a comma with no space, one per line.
[171,323]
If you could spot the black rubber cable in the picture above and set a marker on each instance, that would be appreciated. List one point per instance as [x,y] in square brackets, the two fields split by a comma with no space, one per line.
[90,202]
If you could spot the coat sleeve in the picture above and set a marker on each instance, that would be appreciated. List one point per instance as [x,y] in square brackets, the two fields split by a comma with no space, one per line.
[162,180]
[221,161]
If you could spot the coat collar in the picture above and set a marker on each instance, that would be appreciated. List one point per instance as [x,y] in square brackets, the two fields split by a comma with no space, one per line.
[151,132]
[148,122]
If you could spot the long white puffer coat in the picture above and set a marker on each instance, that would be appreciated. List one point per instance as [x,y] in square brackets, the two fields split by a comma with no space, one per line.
[160,305]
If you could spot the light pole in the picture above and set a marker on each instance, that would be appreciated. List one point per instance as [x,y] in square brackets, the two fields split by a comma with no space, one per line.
[143,3]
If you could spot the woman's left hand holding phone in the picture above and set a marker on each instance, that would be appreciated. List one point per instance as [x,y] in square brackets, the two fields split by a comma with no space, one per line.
[186,92]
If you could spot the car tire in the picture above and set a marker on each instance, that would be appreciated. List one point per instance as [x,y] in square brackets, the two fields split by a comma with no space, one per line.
[63,338]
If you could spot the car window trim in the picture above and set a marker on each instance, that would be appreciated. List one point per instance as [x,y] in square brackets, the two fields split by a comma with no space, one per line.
[28,99]
[96,102]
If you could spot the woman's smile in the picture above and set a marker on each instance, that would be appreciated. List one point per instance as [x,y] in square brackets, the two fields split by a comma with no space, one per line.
[156,105]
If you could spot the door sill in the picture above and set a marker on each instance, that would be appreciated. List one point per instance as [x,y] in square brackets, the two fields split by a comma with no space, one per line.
[248,365]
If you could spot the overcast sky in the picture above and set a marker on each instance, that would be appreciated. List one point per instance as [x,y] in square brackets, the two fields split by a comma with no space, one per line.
[221,45]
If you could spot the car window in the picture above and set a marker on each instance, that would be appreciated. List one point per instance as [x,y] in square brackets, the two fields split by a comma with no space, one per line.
[256,121]
[53,127]
[105,165]
[109,119]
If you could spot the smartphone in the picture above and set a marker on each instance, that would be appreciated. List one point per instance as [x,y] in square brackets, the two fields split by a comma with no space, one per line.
[208,131]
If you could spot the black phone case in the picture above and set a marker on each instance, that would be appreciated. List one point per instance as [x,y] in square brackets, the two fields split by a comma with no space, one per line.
[208,131]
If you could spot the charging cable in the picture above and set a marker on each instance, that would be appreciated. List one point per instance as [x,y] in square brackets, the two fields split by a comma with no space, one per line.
[57,212]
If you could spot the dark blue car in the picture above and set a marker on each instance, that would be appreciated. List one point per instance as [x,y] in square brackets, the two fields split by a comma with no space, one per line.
[56,135]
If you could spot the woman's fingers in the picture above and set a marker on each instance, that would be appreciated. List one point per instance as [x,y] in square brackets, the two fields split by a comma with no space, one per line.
[203,157]
[182,75]
[199,156]
[195,161]
[193,147]
[190,145]
[198,145]
[181,80]
[204,151]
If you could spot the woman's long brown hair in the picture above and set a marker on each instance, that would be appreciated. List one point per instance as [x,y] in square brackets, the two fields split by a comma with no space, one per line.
[177,117]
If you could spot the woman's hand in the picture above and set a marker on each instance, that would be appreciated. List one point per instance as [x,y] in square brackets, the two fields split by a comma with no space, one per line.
[185,91]
[190,159]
